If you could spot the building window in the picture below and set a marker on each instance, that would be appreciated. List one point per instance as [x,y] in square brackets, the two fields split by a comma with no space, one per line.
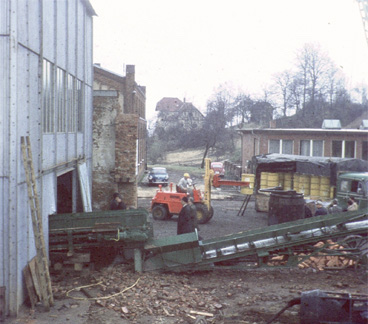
[48,107]
[311,147]
[71,104]
[60,101]
[365,150]
[344,149]
[280,146]
[80,105]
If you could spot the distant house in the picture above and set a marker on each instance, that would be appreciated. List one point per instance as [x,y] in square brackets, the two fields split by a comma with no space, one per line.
[175,113]
[119,136]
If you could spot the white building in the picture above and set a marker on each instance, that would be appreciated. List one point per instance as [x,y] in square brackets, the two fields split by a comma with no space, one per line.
[46,78]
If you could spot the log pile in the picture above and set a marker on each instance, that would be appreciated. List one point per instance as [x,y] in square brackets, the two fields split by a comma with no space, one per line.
[324,260]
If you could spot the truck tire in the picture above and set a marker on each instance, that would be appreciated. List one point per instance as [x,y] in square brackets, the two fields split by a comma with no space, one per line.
[203,216]
[159,212]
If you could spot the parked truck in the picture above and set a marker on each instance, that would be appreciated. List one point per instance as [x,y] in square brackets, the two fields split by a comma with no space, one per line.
[317,178]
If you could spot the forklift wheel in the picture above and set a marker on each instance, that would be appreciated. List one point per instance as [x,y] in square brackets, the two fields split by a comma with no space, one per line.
[211,213]
[203,216]
[159,212]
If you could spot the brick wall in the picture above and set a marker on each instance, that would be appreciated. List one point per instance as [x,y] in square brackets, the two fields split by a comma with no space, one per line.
[119,137]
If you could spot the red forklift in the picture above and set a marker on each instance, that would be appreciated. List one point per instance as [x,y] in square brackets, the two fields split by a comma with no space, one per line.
[165,204]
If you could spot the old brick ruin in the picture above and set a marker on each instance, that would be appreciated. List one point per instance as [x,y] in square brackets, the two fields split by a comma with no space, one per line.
[119,136]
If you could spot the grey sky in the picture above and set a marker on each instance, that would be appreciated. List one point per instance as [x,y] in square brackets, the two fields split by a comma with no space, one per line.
[189,48]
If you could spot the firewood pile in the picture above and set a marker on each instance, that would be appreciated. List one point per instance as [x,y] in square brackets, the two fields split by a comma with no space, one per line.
[324,260]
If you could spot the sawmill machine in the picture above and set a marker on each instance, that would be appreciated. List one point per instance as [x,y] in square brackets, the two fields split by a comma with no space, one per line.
[129,233]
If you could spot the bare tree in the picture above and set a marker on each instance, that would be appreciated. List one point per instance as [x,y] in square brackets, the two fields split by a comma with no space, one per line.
[313,69]
[283,82]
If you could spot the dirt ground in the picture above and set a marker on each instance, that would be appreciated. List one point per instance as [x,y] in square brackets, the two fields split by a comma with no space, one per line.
[119,295]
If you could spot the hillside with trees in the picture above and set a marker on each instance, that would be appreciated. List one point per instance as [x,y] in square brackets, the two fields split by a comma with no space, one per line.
[314,89]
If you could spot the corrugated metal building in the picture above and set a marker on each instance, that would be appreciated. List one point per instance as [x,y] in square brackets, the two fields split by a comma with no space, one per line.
[46,94]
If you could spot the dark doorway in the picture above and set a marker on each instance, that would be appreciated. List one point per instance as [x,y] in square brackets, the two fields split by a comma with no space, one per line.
[65,193]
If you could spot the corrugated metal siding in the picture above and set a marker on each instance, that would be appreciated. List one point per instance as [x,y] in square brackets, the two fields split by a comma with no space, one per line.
[4,142]
[72,36]
[81,41]
[48,29]
[21,116]
[4,17]
[89,59]
[61,44]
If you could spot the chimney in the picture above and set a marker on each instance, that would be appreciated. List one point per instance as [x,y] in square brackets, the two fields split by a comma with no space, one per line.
[130,69]
[272,123]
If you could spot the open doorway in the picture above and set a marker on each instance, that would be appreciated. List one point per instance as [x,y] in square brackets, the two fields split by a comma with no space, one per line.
[68,194]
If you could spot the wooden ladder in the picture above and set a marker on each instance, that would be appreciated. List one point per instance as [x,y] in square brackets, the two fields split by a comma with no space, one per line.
[41,257]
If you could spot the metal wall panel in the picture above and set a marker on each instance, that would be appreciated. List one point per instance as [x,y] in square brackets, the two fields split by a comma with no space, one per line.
[72,37]
[21,116]
[4,104]
[22,10]
[61,44]
[48,29]
[48,145]
[89,51]
[72,154]
[80,144]
[81,41]
[61,148]
[4,17]
[34,25]
[48,195]
[4,145]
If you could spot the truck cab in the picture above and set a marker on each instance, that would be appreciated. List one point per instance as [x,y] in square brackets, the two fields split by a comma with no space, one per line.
[352,184]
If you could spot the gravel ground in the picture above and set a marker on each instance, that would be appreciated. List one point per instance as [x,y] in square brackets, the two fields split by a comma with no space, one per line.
[217,296]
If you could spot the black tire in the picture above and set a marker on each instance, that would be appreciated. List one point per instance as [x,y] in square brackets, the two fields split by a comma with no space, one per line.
[203,216]
[159,212]
[211,212]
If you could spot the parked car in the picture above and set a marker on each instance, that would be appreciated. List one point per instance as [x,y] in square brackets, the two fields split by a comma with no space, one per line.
[158,176]
[218,168]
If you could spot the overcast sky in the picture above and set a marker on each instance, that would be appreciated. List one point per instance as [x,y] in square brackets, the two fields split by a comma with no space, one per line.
[186,49]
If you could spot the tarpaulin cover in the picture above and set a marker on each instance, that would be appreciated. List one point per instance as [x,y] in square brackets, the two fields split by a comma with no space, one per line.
[319,166]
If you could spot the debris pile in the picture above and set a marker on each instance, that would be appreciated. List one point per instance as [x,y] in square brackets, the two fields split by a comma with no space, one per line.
[133,295]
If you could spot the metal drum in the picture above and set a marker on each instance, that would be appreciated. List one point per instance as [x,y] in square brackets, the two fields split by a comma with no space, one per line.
[285,206]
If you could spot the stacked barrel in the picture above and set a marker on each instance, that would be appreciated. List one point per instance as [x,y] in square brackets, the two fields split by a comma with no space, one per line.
[312,186]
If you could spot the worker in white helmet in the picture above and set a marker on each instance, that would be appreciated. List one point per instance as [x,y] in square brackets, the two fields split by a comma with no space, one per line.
[184,185]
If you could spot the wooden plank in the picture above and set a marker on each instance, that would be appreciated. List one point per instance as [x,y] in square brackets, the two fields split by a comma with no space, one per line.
[35,276]
[30,286]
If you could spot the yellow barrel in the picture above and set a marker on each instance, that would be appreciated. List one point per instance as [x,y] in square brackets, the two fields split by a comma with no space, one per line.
[287,181]
[247,178]
[304,184]
[314,186]
[272,179]
[264,176]
[296,181]
[281,179]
